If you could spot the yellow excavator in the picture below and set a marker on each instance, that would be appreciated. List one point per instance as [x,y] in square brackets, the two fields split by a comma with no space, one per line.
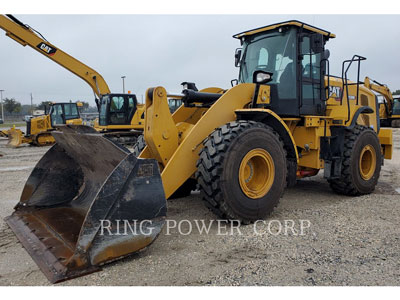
[38,129]
[389,110]
[121,118]
[89,201]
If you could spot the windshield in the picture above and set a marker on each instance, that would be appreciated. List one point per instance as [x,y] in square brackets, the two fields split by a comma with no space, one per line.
[56,115]
[273,52]
[71,111]
[174,104]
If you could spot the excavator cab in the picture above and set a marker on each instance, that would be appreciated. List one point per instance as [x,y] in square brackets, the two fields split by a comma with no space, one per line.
[117,109]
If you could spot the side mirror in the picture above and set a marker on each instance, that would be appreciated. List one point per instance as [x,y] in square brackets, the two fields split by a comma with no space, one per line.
[262,77]
[234,82]
[326,54]
[238,56]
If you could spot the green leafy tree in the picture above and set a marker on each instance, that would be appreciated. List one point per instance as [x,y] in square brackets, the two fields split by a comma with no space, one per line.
[43,105]
[12,106]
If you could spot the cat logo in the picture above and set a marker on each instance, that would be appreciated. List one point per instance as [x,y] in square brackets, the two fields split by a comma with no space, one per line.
[50,50]
[335,92]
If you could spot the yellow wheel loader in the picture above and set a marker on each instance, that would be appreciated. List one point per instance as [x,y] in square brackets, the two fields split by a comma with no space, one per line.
[285,119]
[38,129]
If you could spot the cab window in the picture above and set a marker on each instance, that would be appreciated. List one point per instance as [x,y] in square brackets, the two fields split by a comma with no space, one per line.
[131,103]
[56,114]
[310,71]
[118,110]
[117,104]
[71,112]
[275,53]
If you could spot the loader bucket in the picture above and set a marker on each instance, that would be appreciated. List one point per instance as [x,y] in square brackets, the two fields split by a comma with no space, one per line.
[88,201]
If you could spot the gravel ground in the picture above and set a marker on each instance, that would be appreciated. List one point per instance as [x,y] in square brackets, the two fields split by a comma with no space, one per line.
[350,241]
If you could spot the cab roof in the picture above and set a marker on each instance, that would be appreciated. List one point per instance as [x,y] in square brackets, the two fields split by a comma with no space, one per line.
[282,24]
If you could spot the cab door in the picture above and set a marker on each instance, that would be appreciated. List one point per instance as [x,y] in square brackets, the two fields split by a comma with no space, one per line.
[311,71]
[122,109]
[57,115]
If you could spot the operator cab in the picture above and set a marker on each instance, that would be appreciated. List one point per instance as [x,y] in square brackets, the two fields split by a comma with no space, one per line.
[396,106]
[174,104]
[117,109]
[60,113]
[292,55]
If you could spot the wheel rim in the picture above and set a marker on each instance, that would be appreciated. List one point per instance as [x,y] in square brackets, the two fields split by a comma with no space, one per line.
[256,173]
[367,162]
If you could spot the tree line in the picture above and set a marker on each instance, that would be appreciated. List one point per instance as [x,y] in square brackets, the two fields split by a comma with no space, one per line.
[12,106]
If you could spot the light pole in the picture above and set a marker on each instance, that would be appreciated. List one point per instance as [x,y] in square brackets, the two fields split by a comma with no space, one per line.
[2,107]
[31,104]
[123,84]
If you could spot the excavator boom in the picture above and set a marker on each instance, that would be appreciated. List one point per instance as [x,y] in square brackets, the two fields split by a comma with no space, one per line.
[117,128]
[388,113]
[26,36]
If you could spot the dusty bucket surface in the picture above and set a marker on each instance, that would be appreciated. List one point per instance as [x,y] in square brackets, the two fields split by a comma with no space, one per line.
[87,201]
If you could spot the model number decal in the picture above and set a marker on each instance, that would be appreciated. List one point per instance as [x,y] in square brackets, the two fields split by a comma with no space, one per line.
[50,50]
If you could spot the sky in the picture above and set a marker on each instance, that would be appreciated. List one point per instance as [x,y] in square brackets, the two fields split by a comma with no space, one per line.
[165,50]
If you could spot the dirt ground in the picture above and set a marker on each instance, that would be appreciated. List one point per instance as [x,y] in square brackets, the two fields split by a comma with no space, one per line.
[351,241]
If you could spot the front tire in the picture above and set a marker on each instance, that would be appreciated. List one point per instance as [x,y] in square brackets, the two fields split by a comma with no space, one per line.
[242,171]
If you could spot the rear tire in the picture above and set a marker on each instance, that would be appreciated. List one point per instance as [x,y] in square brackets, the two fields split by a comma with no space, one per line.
[242,171]
[361,164]
[184,190]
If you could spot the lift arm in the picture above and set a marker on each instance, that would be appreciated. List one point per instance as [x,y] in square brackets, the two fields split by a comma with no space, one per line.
[25,35]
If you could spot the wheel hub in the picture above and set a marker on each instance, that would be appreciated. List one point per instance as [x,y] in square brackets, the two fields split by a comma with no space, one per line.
[256,173]
[367,163]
